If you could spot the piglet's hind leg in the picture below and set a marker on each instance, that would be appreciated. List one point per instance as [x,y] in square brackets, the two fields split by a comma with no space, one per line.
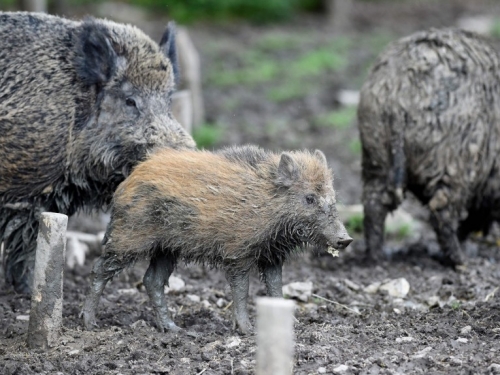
[155,279]
[239,282]
[104,269]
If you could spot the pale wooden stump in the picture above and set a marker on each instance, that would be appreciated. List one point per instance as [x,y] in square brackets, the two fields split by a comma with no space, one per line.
[47,291]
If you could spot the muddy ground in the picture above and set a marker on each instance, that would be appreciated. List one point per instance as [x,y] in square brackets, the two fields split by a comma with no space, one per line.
[448,323]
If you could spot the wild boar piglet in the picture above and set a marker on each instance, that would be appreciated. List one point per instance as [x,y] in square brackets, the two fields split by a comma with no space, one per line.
[238,209]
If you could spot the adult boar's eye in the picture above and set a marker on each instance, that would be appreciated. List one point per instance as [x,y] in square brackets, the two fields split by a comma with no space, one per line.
[310,199]
[130,102]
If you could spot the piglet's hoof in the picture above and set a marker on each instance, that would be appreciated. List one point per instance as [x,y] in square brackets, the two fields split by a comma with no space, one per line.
[169,327]
[243,328]
[455,260]
[89,321]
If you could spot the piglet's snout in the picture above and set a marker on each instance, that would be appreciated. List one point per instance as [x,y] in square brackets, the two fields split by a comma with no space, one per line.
[341,238]
[343,243]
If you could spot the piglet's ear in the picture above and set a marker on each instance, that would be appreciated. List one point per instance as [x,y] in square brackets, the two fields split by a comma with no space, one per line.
[96,59]
[288,170]
[169,49]
[320,156]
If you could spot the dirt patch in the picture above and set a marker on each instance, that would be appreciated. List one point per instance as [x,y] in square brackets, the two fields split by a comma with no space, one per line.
[449,322]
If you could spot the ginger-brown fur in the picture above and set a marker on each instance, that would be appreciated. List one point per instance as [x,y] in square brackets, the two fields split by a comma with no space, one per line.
[238,209]
[229,207]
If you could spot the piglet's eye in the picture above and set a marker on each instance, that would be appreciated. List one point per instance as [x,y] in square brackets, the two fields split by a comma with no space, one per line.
[130,102]
[310,199]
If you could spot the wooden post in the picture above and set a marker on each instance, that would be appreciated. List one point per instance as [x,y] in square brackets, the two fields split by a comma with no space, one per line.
[182,109]
[190,69]
[47,292]
[275,341]
[34,5]
[339,14]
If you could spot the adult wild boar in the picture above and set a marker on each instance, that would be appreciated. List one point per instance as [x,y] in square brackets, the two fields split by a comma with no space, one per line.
[81,102]
[429,120]
[238,209]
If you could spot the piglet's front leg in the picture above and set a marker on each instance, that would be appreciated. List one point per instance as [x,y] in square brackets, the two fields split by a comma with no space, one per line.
[239,282]
[271,275]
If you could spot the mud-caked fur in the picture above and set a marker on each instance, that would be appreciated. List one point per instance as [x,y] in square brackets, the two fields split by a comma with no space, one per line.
[429,120]
[239,209]
[81,102]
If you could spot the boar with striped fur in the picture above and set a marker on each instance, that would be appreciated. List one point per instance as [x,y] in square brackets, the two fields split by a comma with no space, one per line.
[237,209]
[81,103]
[429,120]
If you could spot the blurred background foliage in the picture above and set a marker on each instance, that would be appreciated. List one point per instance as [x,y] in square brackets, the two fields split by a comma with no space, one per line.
[188,11]
[286,74]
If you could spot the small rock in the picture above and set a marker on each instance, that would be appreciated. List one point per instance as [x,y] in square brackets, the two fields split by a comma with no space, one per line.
[481,24]
[309,306]
[466,330]
[462,340]
[404,339]
[352,285]
[205,304]
[211,346]
[221,302]
[422,353]
[348,97]
[139,323]
[433,301]
[340,369]
[300,290]
[75,252]
[233,342]
[193,298]
[372,288]
[175,284]
[24,318]
[494,368]
[73,352]
[127,291]
[321,370]
[397,311]
[454,361]
[398,288]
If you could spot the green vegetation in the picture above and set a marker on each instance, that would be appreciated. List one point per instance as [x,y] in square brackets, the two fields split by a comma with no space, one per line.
[259,11]
[296,70]
[355,224]
[495,31]
[341,118]
[355,146]
[207,135]
[403,231]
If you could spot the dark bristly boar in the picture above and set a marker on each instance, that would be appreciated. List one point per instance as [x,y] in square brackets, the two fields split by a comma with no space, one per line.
[238,209]
[81,103]
[429,120]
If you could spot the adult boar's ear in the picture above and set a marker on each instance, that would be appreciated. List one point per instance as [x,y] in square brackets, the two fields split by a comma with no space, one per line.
[288,170]
[96,60]
[320,156]
[169,49]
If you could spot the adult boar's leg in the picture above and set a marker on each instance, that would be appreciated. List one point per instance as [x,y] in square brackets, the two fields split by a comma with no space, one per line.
[271,275]
[445,226]
[239,281]
[105,267]
[160,268]
[375,212]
